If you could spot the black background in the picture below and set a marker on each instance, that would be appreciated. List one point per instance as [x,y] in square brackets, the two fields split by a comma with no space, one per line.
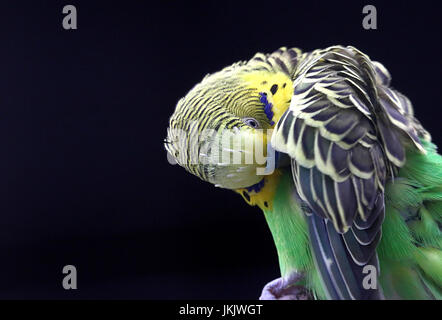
[83,113]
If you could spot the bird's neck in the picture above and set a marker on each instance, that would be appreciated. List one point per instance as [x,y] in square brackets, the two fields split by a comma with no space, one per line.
[289,229]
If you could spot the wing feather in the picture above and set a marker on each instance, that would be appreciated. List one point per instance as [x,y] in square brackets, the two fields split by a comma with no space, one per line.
[345,131]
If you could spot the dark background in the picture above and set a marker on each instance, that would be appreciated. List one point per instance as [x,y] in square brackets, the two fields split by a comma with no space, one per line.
[83,113]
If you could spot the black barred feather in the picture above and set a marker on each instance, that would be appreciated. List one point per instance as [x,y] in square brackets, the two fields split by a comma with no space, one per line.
[360,162]
[345,131]
[221,101]
[325,115]
[367,236]
[340,261]
[356,134]
[343,122]
[382,75]
[338,158]
[360,251]
[378,210]
[393,147]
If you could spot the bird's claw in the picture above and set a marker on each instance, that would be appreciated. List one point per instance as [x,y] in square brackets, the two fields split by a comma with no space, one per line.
[285,288]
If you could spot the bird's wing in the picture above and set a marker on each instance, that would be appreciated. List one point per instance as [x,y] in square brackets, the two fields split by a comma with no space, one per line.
[344,132]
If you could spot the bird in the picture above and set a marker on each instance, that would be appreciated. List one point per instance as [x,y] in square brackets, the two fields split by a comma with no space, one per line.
[348,179]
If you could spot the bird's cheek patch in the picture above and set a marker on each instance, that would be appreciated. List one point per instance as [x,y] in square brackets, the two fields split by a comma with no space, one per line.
[268,107]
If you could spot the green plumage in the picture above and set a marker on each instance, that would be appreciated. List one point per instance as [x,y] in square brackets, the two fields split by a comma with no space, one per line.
[410,251]
[289,230]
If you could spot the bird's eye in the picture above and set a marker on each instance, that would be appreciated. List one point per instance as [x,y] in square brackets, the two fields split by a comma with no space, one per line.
[251,122]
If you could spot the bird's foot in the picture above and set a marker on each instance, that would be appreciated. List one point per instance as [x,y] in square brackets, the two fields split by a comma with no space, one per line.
[286,288]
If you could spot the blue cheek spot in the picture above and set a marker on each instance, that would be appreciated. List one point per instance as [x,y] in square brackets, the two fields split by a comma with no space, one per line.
[256,187]
[267,107]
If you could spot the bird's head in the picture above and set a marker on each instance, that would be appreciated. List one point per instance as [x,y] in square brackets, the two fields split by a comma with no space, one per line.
[220,129]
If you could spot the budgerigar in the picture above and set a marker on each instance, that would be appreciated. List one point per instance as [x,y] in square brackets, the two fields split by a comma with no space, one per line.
[355,202]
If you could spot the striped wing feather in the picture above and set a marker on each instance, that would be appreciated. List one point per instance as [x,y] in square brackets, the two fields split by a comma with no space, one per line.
[345,131]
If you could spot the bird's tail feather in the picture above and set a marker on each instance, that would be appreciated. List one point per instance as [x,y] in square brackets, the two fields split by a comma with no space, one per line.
[342,278]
